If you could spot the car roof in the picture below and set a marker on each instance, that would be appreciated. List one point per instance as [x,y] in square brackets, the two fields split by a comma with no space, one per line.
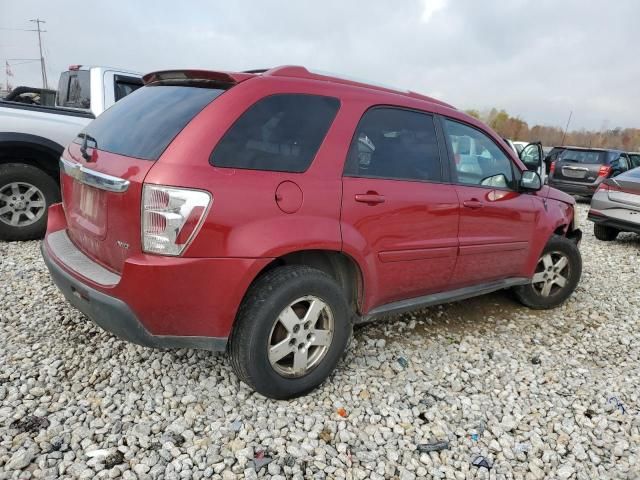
[592,149]
[288,71]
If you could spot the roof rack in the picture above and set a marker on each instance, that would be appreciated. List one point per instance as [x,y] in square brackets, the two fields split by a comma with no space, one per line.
[297,71]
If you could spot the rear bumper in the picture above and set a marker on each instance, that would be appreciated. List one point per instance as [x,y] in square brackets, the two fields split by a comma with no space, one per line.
[574,188]
[115,316]
[163,302]
[618,224]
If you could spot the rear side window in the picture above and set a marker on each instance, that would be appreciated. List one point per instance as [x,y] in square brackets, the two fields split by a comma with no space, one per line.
[395,144]
[143,124]
[278,133]
[74,89]
[124,86]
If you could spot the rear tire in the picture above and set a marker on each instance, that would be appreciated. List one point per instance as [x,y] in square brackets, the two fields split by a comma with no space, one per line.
[291,330]
[557,274]
[26,192]
[606,234]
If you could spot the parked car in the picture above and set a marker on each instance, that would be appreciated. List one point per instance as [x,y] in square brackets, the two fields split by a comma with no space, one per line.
[615,207]
[265,213]
[635,159]
[580,171]
[32,138]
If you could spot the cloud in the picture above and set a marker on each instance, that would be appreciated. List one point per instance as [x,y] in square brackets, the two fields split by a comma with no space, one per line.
[430,8]
[538,59]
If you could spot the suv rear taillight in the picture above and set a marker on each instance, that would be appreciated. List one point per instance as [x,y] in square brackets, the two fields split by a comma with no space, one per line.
[604,171]
[552,168]
[171,217]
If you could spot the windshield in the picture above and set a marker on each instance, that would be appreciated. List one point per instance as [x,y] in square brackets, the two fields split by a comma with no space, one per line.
[143,124]
[583,156]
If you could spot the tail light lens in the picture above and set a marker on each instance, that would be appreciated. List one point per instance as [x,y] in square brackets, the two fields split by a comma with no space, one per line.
[171,217]
[608,188]
[604,171]
[552,168]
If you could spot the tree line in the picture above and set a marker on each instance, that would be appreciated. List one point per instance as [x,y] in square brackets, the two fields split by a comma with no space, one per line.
[515,128]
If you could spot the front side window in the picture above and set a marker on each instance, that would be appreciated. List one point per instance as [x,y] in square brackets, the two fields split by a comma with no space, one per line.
[635,160]
[395,144]
[278,133]
[478,160]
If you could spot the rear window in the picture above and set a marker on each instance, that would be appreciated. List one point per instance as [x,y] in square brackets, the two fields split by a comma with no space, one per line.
[584,156]
[74,90]
[143,124]
[278,133]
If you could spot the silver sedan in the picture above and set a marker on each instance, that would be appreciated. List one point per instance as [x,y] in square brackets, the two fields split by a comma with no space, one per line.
[615,207]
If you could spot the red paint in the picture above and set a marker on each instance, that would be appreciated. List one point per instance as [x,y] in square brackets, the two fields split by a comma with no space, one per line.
[406,238]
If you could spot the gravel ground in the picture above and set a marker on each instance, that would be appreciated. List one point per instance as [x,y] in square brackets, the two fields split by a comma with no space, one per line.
[534,394]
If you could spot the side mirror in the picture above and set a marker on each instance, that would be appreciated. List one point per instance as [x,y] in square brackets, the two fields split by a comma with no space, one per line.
[530,181]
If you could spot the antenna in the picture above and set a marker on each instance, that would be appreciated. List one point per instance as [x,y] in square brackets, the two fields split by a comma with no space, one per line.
[567,127]
[37,21]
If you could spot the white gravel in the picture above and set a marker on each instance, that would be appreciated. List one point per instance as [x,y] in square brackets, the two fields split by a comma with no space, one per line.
[538,394]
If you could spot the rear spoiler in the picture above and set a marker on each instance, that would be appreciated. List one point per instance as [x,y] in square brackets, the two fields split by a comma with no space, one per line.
[178,77]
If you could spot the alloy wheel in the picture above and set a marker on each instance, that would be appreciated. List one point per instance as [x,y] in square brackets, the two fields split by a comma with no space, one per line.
[301,337]
[21,204]
[552,274]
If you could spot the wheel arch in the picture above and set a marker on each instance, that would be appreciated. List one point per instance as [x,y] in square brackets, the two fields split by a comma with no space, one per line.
[343,268]
[34,150]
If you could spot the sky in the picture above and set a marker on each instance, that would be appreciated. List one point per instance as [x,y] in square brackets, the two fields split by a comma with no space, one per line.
[537,59]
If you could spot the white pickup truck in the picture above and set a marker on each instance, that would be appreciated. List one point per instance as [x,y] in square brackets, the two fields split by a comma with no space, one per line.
[32,138]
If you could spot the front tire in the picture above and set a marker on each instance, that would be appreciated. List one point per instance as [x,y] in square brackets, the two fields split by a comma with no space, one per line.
[292,329]
[25,195]
[606,234]
[556,277]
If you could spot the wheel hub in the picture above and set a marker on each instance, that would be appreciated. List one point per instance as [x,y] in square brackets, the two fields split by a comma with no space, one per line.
[21,204]
[301,337]
[552,274]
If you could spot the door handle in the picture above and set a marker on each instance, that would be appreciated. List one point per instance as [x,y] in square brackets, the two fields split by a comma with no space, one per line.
[473,203]
[370,198]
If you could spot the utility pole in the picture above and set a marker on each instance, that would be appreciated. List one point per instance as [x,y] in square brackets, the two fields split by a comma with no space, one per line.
[567,127]
[37,21]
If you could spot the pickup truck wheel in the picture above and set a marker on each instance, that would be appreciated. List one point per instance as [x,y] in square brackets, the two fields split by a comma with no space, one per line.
[290,332]
[556,276]
[25,195]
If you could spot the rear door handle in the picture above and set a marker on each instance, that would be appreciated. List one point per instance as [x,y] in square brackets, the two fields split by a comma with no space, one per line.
[371,198]
[473,203]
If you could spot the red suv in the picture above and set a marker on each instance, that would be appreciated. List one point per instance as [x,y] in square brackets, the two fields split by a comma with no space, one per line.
[266,212]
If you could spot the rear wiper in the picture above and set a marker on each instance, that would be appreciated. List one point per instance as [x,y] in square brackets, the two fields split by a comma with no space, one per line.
[83,149]
[570,160]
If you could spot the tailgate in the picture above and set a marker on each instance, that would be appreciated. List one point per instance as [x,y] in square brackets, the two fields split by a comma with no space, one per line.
[102,204]
[102,189]
[574,172]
